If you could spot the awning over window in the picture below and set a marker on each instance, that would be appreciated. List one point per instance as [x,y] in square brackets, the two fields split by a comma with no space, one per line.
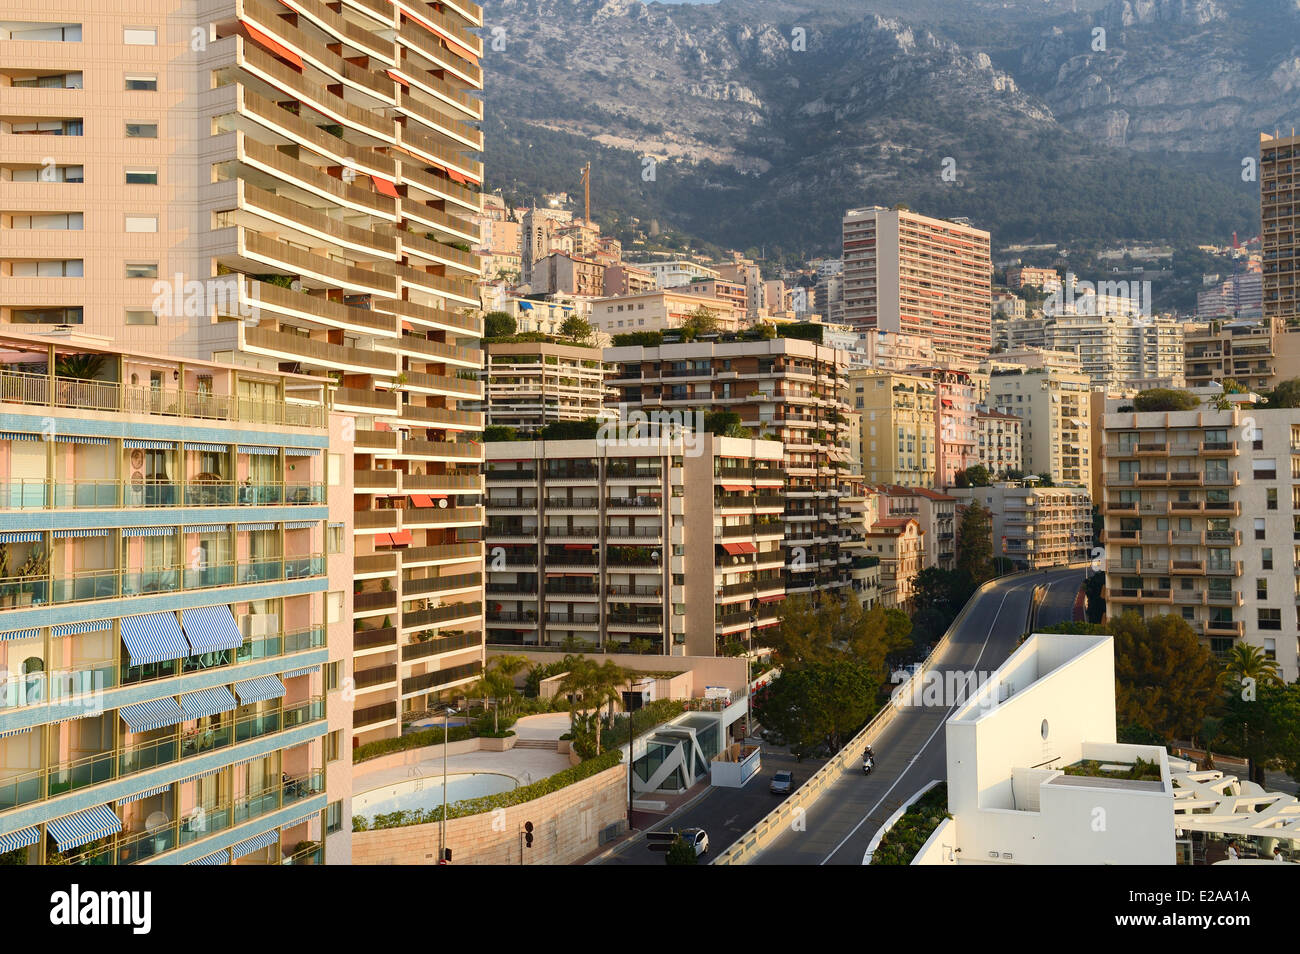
[211,629]
[259,689]
[207,702]
[771,599]
[402,538]
[302,452]
[737,487]
[256,526]
[301,524]
[273,45]
[20,536]
[397,79]
[75,534]
[133,444]
[214,448]
[18,436]
[79,439]
[19,634]
[154,714]
[383,186]
[76,629]
[147,793]
[257,449]
[256,842]
[221,857]
[738,548]
[73,831]
[148,531]
[153,637]
[22,838]
[208,528]
[383,539]
[305,671]
[421,500]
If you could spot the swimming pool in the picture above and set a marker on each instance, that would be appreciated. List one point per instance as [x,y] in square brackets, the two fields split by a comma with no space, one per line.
[426,792]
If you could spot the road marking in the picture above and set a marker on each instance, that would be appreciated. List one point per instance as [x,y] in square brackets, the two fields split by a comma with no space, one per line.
[922,749]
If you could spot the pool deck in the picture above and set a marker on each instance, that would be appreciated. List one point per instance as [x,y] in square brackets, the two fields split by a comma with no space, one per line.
[524,765]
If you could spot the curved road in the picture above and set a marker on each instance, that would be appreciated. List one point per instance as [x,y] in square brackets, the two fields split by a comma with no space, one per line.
[910,752]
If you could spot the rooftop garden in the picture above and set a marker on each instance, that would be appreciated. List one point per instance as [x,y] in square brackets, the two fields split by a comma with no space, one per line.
[1141,770]
[910,833]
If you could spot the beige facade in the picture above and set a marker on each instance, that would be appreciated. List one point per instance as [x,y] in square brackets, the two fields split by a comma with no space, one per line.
[563,274]
[674,542]
[1199,522]
[624,279]
[899,544]
[911,273]
[531,384]
[1278,213]
[1036,527]
[1055,411]
[1114,350]
[1257,353]
[897,426]
[1000,442]
[661,310]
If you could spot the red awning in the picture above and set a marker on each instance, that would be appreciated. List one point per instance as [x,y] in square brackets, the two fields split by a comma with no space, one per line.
[421,500]
[771,599]
[737,548]
[381,426]
[461,178]
[273,45]
[579,546]
[397,79]
[384,186]
[460,51]
[402,538]
[775,622]
[383,538]
[945,402]
[737,486]
[406,326]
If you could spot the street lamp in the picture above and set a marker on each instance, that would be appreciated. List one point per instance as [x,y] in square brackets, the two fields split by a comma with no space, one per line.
[442,830]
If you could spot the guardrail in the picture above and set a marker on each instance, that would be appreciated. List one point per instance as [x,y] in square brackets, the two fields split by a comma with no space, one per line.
[749,845]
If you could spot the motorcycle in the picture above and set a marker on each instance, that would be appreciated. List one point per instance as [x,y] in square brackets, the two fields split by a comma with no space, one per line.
[868,763]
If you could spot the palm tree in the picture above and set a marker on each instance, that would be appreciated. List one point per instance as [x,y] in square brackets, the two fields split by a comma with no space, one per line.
[1245,661]
[578,682]
[84,367]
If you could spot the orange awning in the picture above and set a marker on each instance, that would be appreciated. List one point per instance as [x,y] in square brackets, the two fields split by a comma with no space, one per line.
[738,548]
[735,487]
[397,79]
[462,179]
[771,599]
[402,538]
[421,500]
[382,539]
[406,326]
[460,51]
[384,186]
[273,45]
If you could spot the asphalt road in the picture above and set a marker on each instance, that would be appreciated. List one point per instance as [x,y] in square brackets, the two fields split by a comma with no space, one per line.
[910,752]
[727,813]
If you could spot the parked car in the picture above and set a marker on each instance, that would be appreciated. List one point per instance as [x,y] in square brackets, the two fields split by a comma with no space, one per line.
[782,783]
[697,839]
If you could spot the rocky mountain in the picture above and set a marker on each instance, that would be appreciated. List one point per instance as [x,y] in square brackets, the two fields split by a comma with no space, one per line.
[759,121]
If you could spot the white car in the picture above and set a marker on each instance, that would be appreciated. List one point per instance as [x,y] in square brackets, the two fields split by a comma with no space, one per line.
[697,838]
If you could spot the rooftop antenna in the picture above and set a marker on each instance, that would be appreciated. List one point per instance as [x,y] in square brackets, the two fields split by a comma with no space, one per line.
[586,185]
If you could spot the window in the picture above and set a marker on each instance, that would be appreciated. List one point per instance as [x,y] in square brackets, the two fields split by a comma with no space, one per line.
[334,606]
[141,176]
[1261,589]
[332,670]
[48,222]
[141,269]
[1270,618]
[142,223]
[1259,528]
[335,469]
[141,316]
[1272,498]
[1266,558]
[141,130]
[57,268]
[334,817]
[136,36]
[333,743]
[334,538]
[141,83]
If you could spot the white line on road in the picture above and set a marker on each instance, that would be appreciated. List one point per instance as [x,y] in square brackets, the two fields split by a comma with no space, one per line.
[922,749]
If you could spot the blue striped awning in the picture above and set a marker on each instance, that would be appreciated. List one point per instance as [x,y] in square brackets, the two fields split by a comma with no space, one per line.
[149,445]
[18,436]
[153,637]
[73,534]
[256,526]
[208,528]
[76,629]
[214,448]
[259,689]
[525,306]
[254,843]
[148,531]
[73,831]
[301,524]
[207,702]
[9,732]
[19,634]
[147,793]
[254,449]
[79,439]
[19,839]
[210,629]
[221,857]
[154,714]
[20,536]
[225,765]
[305,671]
[302,452]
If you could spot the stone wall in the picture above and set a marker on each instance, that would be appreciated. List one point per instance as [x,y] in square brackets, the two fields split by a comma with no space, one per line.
[566,826]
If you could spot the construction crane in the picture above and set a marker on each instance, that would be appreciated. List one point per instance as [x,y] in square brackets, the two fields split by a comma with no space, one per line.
[586,188]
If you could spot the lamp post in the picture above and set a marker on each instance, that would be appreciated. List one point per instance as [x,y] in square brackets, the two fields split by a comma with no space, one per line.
[442,829]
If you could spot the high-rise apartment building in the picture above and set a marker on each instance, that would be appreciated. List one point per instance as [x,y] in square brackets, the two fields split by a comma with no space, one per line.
[1280,242]
[1035,527]
[1000,442]
[897,414]
[289,186]
[671,543]
[177,635]
[782,389]
[1115,350]
[915,274]
[531,384]
[1055,410]
[1200,522]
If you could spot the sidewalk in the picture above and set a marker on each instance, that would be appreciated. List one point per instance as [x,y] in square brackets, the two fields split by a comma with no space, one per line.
[648,820]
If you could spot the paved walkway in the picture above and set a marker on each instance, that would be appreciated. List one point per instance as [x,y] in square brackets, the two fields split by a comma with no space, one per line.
[545,725]
[525,765]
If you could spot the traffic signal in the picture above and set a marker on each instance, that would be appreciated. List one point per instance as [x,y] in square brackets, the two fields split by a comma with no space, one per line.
[661,840]
[528,834]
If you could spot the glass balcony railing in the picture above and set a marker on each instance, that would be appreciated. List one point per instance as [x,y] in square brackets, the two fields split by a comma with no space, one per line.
[39,494]
[82,585]
[90,770]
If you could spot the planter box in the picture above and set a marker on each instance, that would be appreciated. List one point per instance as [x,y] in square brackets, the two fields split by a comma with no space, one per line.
[497,745]
[563,745]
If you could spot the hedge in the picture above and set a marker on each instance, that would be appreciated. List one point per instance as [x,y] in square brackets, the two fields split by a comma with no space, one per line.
[913,829]
[414,740]
[487,803]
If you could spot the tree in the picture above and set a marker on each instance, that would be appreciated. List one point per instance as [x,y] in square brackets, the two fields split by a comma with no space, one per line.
[837,628]
[725,424]
[1286,394]
[680,853]
[975,543]
[821,704]
[1264,726]
[701,321]
[499,324]
[83,367]
[1164,677]
[977,476]
[1165,399]
[576,328]
[1247,662]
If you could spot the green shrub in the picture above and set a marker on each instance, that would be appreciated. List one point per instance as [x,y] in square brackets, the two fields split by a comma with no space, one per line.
[413,740]
[901,843]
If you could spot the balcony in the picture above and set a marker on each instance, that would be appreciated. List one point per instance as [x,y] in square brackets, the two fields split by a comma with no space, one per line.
[441,645]
[1224,628]
[441,677]
[439,615]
